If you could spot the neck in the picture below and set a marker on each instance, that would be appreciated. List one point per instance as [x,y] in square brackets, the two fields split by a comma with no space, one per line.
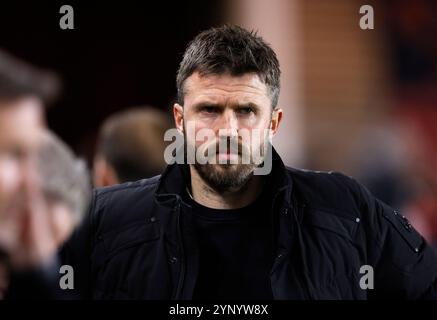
[231,199]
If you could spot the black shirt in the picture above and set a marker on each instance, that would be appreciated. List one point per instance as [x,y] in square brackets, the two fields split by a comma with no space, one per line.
[235,251]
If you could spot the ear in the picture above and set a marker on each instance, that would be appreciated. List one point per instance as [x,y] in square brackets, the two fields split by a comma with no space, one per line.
[276,120]
[178,114]
[103,173]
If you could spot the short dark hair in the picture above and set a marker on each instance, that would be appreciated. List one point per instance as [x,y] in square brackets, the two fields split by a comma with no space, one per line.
[132,142]
[230,49]
[19,79]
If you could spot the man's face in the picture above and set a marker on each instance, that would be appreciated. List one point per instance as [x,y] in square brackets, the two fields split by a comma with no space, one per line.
[20,123]
[228,106]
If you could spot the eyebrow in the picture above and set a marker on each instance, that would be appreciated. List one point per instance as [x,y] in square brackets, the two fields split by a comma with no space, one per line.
[201,105]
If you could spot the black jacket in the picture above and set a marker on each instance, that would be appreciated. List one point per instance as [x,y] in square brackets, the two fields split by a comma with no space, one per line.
[138,241]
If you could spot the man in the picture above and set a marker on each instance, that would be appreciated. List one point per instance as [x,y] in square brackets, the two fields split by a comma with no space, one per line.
[32,224]
[216,230]
[130,146]
[65,187]
[23,92]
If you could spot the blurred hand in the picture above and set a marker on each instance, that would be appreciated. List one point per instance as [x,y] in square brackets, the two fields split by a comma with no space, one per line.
[30,231]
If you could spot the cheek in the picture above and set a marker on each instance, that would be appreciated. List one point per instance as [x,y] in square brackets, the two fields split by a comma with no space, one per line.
[195,131]
[255,124]
[251,122]
[258,134]
[204,134]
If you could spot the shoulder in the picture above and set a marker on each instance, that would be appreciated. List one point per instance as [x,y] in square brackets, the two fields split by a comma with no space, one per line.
[327,191]
[130,190]
[123,204]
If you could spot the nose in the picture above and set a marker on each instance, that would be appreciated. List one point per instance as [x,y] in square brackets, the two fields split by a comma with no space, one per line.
[229,124]
[29,171]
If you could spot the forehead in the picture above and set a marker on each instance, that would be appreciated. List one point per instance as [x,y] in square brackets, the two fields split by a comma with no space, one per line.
[25,110]
[19,120]
[225,89]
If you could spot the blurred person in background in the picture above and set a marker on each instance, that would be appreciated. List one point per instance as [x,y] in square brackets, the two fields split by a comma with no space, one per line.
[65,186]
[23,92]
[131,146]
[32,224]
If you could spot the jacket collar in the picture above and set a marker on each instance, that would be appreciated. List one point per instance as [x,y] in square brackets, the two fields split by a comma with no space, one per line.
[174,179]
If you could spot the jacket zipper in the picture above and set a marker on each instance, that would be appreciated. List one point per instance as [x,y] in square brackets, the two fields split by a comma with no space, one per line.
[307,287]
[182,268]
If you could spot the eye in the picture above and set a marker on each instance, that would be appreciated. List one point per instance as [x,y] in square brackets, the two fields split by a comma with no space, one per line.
[209,109]
[245,110]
